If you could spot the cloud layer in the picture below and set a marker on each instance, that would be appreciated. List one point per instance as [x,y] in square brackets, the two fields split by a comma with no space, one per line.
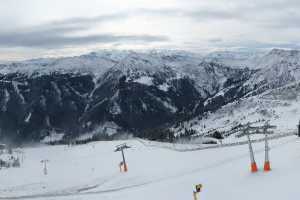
[58,34]
[192,25]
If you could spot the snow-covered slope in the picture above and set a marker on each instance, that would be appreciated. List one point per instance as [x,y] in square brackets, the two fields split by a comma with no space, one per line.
[91,171]
[284,113]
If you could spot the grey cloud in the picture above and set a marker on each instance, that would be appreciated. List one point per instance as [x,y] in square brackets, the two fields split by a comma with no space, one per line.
[70,25]
[199,14]
[211,14]
[289,21]
[258,45]
[289,45]
[48,40]
[267,5]
[61,33]
[87,21]
[215,40]
[269,14]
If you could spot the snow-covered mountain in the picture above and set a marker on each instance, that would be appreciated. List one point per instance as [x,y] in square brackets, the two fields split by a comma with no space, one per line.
[236,58]
[136,92]
[271,94]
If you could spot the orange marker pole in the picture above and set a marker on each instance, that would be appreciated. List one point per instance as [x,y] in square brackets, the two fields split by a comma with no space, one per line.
[267,166]
[253,163]
[124,161]
[121,148]
[125,167]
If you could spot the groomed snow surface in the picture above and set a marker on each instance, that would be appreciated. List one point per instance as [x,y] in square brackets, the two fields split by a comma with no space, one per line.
[91,172]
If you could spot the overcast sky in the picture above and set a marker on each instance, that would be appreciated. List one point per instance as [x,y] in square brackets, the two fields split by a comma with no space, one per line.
[41,28]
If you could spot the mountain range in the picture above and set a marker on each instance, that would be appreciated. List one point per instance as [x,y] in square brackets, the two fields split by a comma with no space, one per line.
[115,92]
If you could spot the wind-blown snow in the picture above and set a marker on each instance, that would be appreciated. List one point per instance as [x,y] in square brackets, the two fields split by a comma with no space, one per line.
[164,87]
[15,85]
[116,109]
[27,119]
[145,80]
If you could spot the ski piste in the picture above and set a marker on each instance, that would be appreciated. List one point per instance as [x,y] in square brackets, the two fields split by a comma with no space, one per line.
[155,170]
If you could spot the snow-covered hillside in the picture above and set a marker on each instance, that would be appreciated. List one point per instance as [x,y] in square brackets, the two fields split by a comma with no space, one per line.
[88,172]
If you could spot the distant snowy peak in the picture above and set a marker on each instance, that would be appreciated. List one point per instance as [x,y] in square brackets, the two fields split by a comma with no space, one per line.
[285,53]
[78,64]
[95,63]
[281,63]
[278,68]
[99,62]
[235,58]
[153,68]
[279,56]
[142,69]
[139,61]
[274,69]
[176,55]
